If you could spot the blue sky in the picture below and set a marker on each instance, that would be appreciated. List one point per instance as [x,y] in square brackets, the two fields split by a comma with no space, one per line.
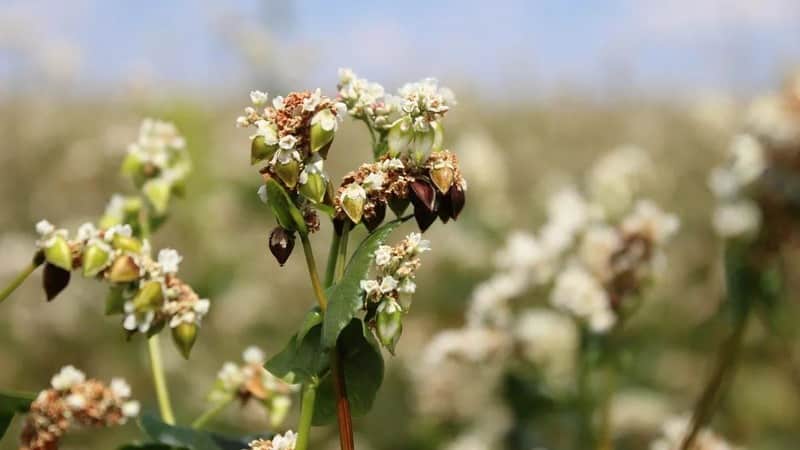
[502,45]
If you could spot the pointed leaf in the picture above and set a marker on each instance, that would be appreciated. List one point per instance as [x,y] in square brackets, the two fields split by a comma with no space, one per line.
[344,301]
[13,403]
[304,358]
[283,207]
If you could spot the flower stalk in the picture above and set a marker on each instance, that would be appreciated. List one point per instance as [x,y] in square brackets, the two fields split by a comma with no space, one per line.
[212,412]
[20,278]
[306,415]
[159,380]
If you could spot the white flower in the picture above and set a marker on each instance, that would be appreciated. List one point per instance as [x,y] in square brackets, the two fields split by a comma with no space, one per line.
[122,230]
[258,98]
[277,102]
[370,287]
[242,122]
[388,284]
[311,103]
[579,293]
[415,244]
[120,388]
[68,376]
[738,219]
[44,227]
[374,181]
[75,401]
[392,164]
[169,259]
[383,255]
[262,193]
[287,142]
[254,355]
[201,307]
[549,340]
[650,221]
[86,231]
[130,409]
[723,183]
[230,377]
[268,131]
[599,244]
[749,161]
[287,441]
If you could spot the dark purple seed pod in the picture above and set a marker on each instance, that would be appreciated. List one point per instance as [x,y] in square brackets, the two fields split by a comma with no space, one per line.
[425,193]
[54,280]
[281,244]
[457,200]
[424,217]
[444,208]
[398,205]
[377,216]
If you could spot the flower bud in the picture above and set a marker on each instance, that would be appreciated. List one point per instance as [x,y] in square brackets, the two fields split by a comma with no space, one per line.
[423,193]
[150,296]
[313,186]
[96,257]
[260,150]
[126,243]
[353,198]
[281,244]
[442,176]
[184,336]
[288,171]
[376,218]
[124,269]
[58,253]
[54,280]
[457,200]
[323,127]
[400,136]
[157,192]
[389,325]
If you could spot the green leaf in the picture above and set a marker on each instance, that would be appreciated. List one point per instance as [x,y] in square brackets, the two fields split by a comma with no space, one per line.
[344,301]
[12,403]
[167,436]
[304,357]
[283,207]
[362,365]
[312,319]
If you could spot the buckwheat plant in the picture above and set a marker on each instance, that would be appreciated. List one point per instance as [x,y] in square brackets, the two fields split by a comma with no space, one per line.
[362,297]
[591,263]
[756,216]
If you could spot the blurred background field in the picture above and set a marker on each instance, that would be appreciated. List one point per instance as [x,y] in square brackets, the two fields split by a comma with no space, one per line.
[544,88]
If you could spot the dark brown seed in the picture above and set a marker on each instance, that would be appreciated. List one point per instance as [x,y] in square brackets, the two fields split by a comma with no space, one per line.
[376,218]
[398,205]
[54,280]
[457,200]
[281,244]
[425,193]
[445,208]
[424,217]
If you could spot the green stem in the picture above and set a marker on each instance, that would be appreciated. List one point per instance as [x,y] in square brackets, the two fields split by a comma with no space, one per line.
[319,292]
[341,257]
[725,365]
[306,415]
[330,267]
[212,412]
[19,279]
[160,381]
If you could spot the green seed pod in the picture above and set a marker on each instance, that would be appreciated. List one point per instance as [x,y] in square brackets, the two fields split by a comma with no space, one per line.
[353,198]
[126,243]
[422,144]
[260,150]
[314,187]
[389,324]
[58,253]
[150,295]
[184,336]
[279,407]
[96,257]
[323,127]
[400,136]
[123,270]
[288,172]
[157,191]
[132,166]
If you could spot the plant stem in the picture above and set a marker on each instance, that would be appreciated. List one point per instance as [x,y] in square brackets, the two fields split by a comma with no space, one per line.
[341,257]
[306,415]
[725,365]
[160,381]
[330,267]
[19,279]
[342,404]
[585,400]
[212,412]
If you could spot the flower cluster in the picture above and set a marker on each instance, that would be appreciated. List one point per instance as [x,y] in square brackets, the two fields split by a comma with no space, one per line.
[756,187]
[435,189]
[251,380]
[674,432]
[388,296]
[286,441]
[74,401]
[158,163]
[146,290]
[293,137]
[365,100]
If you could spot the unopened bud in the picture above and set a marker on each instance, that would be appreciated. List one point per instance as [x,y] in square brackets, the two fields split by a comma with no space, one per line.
[58,253]
[389,323]
[96,257]
[54,280]
[323,127]
[288,171]
[400,136]
[353,198]
[313,186]
[157,192]
[184,336]
[281,244]
[260,150]
[150,295]
[123,270]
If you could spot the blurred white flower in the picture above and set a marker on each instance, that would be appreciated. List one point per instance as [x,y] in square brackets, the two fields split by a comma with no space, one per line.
[66,378]
[737,219]
[577,292]
[169,259]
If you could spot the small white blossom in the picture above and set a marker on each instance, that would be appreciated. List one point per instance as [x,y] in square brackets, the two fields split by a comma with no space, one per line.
[374,181]
[383,255]
[311,103]
[68,376]
[354,191]
[287,142]
[86,231]
[76,401]
[44,227]
[131,409]
[388,284]
[277,102]
[120,388]
[254,355]
[579,293]
[169,260]
[416,244]
[738,219]
[258,98]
